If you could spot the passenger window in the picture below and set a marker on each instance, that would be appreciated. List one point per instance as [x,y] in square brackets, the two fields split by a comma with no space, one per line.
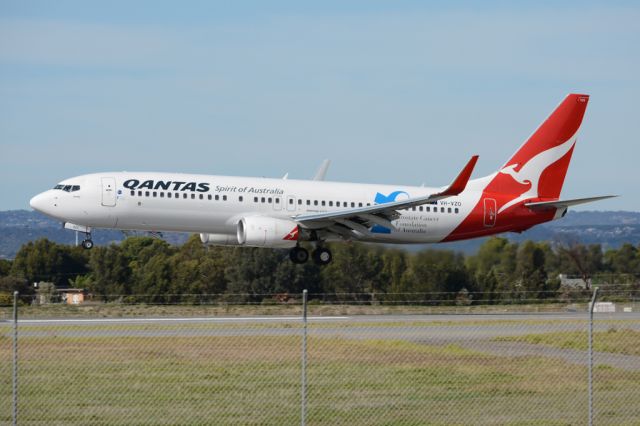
[323,202]
[368,204]
[359,204]
[353,204]
[155,194]
[224,198]
[270,200]
[133,193]
[299,202]
[449,210]
[262,200]
[162,195]
[255,199]
[315,202]
[139,193]
[209,197]
[217,197]
[290,200]
[201,197]
[337,203]
[330,203]
[456,210]
[168,195]
[193,196]
[146,193]
[413,208]
[441,209]
[308,202]
[420,208]
[184,195]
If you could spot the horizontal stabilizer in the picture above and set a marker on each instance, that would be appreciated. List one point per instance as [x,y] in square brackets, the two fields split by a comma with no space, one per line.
[544,205]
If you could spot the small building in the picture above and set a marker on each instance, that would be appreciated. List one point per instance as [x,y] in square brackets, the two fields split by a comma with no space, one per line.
[574,282]
[73,296]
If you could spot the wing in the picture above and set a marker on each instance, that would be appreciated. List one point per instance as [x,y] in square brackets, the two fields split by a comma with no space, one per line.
[356,222]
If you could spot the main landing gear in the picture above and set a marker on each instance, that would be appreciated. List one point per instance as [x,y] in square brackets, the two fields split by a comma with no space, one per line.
[300,255]
[87,243]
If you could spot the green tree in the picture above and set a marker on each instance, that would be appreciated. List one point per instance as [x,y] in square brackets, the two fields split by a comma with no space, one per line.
[44,260]
[110,272]
[5,267]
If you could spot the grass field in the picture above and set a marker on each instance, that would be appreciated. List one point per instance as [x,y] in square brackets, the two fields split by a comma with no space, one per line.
[104,374]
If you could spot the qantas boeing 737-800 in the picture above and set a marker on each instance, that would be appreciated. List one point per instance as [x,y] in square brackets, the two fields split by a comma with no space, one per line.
[282,213]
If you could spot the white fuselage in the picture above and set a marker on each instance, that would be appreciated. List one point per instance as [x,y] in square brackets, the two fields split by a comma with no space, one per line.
[215,204]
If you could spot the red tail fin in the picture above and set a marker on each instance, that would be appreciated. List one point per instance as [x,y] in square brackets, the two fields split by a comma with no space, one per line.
[544,158]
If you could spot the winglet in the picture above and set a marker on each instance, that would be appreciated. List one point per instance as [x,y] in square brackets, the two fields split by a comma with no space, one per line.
[460,183]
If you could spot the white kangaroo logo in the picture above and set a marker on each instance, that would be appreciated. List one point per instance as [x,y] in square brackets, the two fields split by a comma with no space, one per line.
[532,170]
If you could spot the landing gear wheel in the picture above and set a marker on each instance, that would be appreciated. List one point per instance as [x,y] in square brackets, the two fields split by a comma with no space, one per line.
[298,255]
[87,244]
[322,256]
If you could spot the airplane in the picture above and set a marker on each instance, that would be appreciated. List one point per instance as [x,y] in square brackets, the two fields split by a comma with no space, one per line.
[283,213]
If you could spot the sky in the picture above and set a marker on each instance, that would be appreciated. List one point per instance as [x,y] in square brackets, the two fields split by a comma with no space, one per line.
[396,92]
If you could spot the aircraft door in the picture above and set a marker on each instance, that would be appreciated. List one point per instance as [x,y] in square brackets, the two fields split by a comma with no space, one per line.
[291,203]
[490,214]
[108,191]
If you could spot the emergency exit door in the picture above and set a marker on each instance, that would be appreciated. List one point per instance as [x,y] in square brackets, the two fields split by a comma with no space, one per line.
[490,213]
[108,191]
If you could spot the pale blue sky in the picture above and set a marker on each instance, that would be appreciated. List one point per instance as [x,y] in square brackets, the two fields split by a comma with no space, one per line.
[392,92]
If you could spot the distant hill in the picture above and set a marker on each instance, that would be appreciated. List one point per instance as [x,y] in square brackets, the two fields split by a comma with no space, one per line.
[609,228]
[20,226]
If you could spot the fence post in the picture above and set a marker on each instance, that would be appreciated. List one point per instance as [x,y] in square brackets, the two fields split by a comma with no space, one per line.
[303,418]
[15,358]
[591,307]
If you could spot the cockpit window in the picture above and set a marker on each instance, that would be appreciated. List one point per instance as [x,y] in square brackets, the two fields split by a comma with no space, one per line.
[68,188]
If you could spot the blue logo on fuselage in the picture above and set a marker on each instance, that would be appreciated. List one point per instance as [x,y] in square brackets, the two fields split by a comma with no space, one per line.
[382,199]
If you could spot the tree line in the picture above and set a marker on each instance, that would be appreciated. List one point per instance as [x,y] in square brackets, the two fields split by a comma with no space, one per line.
[145,269]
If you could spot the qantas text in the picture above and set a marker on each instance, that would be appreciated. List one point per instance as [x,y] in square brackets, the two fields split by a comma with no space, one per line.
[167,185]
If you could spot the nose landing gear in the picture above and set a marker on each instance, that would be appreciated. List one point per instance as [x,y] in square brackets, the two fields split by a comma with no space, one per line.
[87,243]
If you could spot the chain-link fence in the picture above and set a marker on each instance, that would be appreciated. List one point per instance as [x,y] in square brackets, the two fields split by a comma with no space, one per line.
[343,363]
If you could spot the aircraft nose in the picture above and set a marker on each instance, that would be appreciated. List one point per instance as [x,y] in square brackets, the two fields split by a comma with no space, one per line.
[40,203]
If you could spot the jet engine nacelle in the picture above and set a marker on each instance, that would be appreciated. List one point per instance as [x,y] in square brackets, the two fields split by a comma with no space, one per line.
[259,231]
[219,239]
